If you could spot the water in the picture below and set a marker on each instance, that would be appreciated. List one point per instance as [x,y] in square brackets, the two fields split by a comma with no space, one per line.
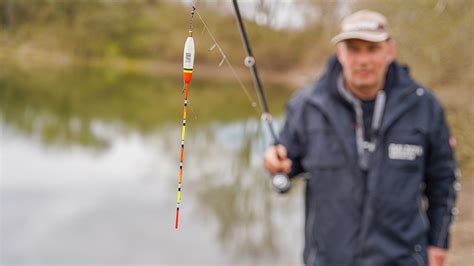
[89,165]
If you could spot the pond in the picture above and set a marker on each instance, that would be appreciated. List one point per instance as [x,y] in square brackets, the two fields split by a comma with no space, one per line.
[89,171]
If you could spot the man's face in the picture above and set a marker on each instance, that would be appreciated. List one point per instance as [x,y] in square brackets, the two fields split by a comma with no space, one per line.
[365,63]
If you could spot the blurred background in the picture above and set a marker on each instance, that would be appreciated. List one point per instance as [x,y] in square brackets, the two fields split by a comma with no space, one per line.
[90,123]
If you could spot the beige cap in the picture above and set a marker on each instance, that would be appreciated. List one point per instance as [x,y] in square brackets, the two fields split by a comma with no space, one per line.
[364,25]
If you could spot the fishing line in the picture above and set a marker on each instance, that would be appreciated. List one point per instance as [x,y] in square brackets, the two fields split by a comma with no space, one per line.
[231,67]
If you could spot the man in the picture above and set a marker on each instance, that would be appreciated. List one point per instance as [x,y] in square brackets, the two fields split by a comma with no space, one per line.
[375,144]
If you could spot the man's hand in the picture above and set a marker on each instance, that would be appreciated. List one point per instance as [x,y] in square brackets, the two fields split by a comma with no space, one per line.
[276,161]
[436,256]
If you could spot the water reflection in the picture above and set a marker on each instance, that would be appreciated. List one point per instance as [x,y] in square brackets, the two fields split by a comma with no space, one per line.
[239,204]
[61,106]
[90,173]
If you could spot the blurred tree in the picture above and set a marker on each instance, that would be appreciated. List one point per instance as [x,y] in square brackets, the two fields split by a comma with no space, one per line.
[266,12]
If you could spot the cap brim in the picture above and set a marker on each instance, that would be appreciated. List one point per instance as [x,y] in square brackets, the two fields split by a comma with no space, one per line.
[366,36]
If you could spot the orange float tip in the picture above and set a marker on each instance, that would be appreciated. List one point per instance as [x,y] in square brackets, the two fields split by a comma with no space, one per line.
[187,76]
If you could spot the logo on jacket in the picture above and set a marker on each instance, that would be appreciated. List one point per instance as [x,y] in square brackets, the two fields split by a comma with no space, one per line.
[404,151]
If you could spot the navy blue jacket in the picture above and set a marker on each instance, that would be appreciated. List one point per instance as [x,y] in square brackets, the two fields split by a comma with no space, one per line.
[378,217]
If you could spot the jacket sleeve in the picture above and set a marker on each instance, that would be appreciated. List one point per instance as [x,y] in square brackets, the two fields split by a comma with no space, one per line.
[290,135]
[440,181]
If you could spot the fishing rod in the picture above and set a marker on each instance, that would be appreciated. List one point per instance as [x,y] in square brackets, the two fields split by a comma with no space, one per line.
[280,181]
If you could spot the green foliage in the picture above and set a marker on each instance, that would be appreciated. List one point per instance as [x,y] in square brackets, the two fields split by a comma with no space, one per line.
[94,29]
[434,36]
[142,30]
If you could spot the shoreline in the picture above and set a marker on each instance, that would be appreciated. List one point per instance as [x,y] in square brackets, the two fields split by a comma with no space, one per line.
[29,58]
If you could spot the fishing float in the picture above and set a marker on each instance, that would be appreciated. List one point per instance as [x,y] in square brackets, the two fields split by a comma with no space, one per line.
[188,64]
